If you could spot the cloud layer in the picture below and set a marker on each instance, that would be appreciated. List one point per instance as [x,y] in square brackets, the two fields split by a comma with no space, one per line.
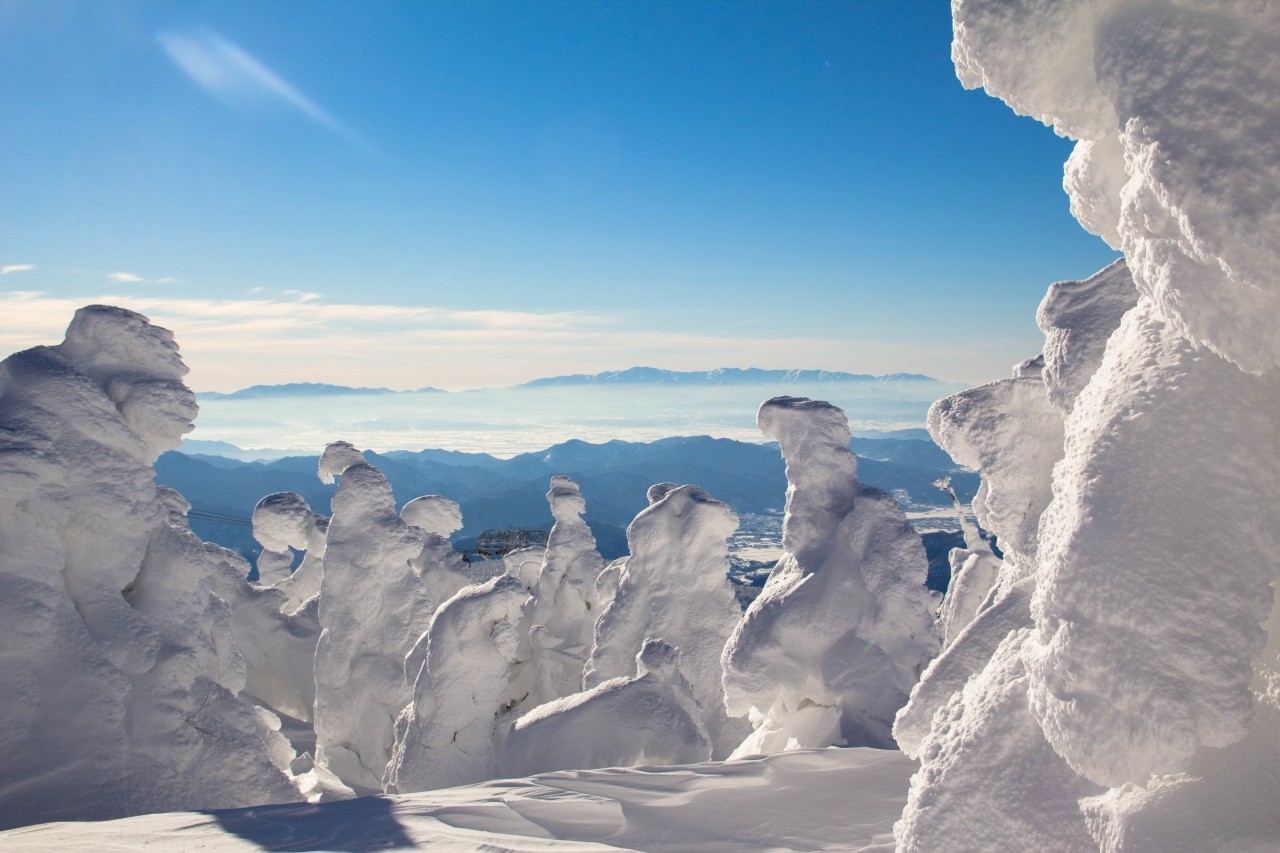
[232,343]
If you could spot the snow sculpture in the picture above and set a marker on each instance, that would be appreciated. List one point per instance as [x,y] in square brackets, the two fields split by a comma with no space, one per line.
[676,585]
[563,597]
[1148,677]
[282,523]
[382,580]
[119,659]
[648,718]
[829,650]
[446,736]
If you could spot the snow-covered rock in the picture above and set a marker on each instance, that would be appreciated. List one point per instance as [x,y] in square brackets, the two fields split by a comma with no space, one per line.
[445,737]
[649,718]
[118,652]
[843,626]
[675,585]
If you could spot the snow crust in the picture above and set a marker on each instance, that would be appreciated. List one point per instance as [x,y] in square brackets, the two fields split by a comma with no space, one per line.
[675,585]
[843,626]
[721,807]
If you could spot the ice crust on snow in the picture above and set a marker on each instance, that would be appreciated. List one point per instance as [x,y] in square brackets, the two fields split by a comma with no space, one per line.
[650,717]
[118,647]
[675,585]
[843,626]
[1137,708]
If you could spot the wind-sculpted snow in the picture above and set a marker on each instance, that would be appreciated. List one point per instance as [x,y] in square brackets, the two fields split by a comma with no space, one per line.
[117,639]
[283,523]
[1178,163]
[974,570]
[649,718]
[564,597]
[1078,318]
[445,737]
[382,580]
[1133,670]
[675,586]
[1139,708]
[434,514]
[843,626]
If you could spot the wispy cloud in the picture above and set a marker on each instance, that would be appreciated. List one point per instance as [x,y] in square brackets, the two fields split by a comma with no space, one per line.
[231,343]
[11,268]
[124,277]
[237,78]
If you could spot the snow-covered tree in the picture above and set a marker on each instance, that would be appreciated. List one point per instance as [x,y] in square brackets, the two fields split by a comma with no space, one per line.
[830,649]
[675,585]
[118,652]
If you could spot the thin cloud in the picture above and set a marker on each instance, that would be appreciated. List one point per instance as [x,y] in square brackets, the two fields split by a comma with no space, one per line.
[11,268]
[237,78]
[231,343]
[124,277]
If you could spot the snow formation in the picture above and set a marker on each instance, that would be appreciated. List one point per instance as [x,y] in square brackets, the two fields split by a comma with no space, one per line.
[564,598]
[283,523]
[1137,705]
[446,736]
[649,718]
[974,569]
[830,649]
[118,647]
[382,580]
[675,585]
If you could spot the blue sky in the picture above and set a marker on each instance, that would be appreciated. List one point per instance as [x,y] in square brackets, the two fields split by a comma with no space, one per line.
[463,194]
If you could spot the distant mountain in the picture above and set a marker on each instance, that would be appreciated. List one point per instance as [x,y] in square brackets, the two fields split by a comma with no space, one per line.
[719,376]
[512,492]
[631,376]
[303,389]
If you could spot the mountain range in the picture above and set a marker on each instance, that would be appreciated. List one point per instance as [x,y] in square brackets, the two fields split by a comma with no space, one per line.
[631,376]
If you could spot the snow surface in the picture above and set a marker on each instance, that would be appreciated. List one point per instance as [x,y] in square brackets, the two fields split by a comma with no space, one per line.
[722,807]
[832,646]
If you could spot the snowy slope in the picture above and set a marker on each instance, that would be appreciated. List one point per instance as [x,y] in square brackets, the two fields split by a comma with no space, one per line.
[734,807]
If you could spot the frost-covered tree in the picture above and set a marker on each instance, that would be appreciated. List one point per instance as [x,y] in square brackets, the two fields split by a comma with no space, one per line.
[118,650]
[445,737]
[382,580]
[830,649]
[283,523]
[650,717]
[564,598]
[675,585]
[1143,689]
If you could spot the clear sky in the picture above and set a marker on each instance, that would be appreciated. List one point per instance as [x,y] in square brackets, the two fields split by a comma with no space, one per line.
[463,194]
